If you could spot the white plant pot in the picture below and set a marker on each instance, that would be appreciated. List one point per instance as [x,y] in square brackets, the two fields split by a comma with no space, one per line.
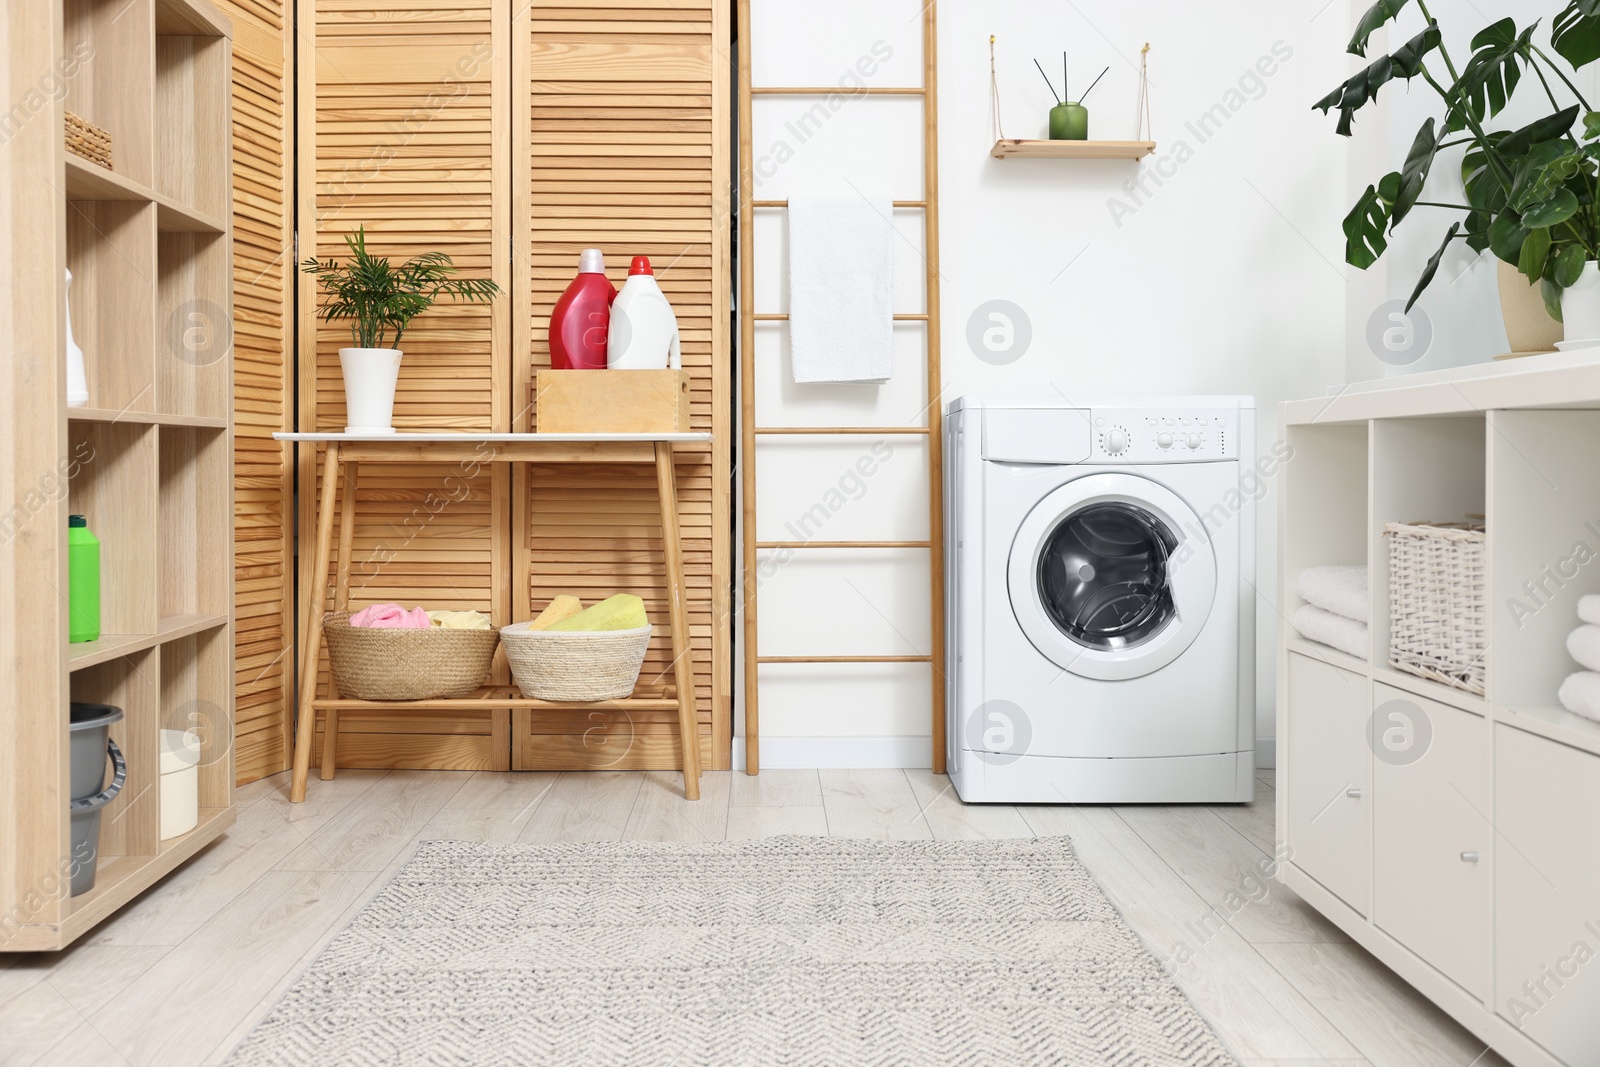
[1580,306]
[370,375]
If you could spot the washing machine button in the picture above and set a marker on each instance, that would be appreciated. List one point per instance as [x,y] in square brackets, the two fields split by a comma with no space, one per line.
[1163,440]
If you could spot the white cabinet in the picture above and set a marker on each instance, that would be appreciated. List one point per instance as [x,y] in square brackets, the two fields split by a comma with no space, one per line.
[1328,791]
[1431,837]
[1468,861]
[1547,893]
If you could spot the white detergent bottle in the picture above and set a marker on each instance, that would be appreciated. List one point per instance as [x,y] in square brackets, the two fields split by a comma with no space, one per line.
[644,331]
[77,380]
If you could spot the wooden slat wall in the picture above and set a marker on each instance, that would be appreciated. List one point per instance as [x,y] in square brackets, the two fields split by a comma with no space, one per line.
[402,112]
[263,293]
[622,132]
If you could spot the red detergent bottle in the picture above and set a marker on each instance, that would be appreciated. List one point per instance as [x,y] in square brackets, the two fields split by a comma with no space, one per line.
[579,323]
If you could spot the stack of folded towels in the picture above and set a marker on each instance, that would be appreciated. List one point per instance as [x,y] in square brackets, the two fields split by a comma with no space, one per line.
[1580,693]
[395,617]
[1336,607]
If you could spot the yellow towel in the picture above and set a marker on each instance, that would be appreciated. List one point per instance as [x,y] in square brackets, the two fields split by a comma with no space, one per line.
[621,612]
[459,620]
[562,607]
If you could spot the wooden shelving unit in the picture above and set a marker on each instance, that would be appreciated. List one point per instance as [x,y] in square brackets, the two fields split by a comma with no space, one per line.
[1016,148]
[149,461]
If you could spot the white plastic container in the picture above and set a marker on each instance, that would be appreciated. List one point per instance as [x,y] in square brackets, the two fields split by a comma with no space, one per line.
[77,378]
[644,331]
[180,782]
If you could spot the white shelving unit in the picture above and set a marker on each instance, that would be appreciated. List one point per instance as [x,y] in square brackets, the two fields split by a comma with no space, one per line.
[1472,871]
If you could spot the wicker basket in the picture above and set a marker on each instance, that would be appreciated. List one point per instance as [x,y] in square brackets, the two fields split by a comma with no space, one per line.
[1438,605]
[577,665]
[373,664]
[88,141]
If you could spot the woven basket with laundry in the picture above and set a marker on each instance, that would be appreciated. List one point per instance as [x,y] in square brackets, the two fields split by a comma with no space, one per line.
[406,664]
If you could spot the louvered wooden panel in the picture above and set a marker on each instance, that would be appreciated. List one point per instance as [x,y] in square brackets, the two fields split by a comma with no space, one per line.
[625,119]
[263,293]
[399,101]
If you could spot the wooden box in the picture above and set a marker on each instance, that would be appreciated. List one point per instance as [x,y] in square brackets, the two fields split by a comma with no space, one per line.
[612,401]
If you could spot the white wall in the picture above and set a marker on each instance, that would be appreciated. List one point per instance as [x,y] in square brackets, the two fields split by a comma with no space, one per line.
[1215,266]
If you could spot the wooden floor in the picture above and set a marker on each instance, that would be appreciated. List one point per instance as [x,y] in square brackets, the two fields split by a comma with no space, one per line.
[181,975]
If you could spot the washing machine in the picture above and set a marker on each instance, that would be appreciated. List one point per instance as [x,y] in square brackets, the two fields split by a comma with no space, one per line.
[1100,624]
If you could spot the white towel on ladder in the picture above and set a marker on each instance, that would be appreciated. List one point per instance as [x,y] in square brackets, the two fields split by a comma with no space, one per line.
[841,267]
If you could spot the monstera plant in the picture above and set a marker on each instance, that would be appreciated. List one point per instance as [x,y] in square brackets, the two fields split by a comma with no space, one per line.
[1532,194]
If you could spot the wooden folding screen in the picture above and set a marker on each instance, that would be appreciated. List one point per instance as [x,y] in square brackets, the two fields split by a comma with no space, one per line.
[403,129]
[263,291]
[511,136]
[622,125]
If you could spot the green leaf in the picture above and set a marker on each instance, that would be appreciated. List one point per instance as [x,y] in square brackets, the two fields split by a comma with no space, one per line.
[1376,16]
[1433,264]
[1362,88]
[1568,265]
[1484,191]
[1545,168]
[1591,125]
[1552,297]
[1364,227]
[1534,251]
[1414,173]
[1491,75]
[1552,212]
[1506,235]
[1477,232]
[1575,33]
[1521,141]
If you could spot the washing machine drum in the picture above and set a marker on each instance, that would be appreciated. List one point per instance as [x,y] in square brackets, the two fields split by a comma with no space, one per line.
[1112,576]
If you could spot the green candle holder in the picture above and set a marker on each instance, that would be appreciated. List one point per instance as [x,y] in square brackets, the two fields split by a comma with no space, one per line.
[1069,122]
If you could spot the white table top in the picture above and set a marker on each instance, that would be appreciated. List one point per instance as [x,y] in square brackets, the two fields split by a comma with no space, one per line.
[448,437]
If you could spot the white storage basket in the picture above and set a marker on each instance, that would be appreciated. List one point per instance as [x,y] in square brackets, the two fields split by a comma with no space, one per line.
[1438,604]
[575,665]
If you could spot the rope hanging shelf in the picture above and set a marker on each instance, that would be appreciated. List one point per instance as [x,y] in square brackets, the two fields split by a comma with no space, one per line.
[1020,148]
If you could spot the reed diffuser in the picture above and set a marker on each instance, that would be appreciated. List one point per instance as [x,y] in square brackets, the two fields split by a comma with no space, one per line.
[1069,119]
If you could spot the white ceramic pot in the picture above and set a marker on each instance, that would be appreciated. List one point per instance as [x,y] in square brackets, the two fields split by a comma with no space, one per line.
[1580,306]
[370,375]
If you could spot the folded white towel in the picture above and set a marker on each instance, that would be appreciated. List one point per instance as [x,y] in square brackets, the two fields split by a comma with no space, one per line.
[1589,608]
[1580,694]
[1336,631]
[1583,644]
[841,266]
[1337,588]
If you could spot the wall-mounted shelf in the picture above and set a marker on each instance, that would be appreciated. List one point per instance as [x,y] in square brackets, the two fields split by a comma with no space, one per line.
[1009,147]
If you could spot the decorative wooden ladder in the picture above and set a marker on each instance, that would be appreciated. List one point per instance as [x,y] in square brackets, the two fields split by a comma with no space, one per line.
[749,431]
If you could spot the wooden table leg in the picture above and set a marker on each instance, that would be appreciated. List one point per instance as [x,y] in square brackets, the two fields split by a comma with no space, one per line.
[306,723]
[682,664]
[341,602]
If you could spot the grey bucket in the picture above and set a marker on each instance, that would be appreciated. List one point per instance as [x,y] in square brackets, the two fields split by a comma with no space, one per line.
[91,743]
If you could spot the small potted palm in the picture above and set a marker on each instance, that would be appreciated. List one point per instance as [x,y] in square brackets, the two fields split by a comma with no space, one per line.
[380,301]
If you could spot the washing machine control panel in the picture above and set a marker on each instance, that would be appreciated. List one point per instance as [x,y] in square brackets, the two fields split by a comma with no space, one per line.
[1166,435]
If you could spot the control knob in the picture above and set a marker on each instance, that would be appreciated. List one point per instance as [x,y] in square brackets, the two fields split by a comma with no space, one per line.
[1116,442]
[1193,440]
[1164,440]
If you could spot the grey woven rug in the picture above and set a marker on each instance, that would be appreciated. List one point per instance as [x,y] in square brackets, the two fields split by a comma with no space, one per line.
[797,951]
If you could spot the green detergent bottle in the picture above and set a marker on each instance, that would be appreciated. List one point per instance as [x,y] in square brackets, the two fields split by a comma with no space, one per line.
[83,581]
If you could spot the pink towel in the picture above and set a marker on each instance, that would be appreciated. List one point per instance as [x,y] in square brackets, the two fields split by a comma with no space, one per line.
[390,617]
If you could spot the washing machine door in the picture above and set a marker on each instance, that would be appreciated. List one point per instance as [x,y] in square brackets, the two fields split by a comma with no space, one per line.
[1112,576]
